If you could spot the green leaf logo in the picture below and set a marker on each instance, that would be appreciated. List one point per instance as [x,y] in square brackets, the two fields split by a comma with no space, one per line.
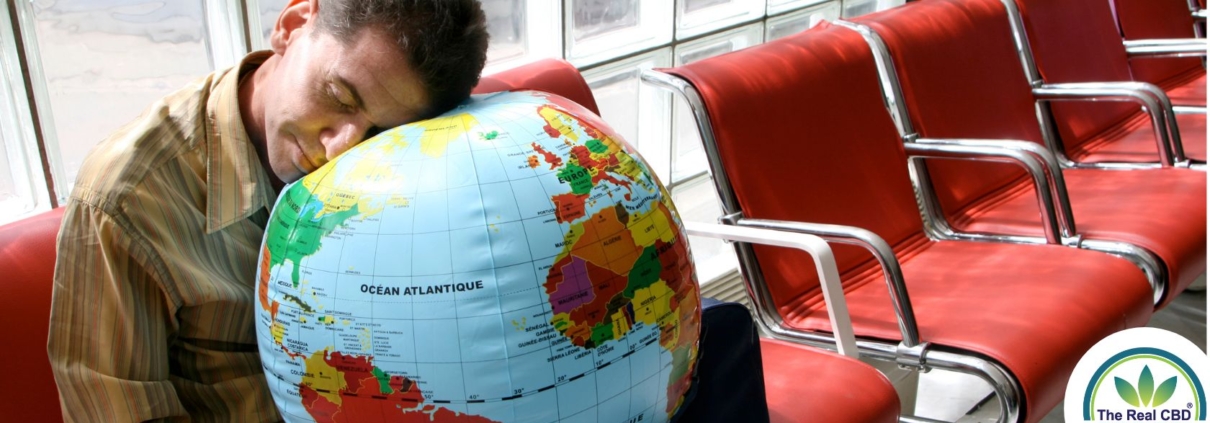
[1147,395]
[1126,391]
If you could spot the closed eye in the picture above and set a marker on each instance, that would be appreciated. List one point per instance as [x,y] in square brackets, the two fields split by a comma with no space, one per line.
[337,100]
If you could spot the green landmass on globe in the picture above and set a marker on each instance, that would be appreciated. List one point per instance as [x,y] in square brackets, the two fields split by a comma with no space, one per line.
[511,260]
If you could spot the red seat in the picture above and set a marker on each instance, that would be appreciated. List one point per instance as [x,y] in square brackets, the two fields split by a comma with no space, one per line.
[1183,78]
[803,136]
[1076,41]
[961,78]
[548,75]
[864,394]
[27,253]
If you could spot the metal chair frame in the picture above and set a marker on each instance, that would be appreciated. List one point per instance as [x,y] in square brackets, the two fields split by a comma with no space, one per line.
[1199,18]
[937,225]
[1151,98]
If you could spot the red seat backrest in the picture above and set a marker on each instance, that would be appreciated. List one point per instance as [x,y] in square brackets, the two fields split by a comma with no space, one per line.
[961,78]
[27,257]
[1150,19]
[804,136]
[1077,41]
[548,75]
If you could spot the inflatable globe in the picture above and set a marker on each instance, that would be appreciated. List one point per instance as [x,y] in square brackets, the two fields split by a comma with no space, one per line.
[512,260]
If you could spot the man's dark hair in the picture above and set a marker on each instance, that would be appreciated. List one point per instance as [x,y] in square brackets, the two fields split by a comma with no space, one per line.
[445,41]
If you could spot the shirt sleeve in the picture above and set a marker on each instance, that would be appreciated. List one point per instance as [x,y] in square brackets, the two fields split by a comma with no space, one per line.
[110,324]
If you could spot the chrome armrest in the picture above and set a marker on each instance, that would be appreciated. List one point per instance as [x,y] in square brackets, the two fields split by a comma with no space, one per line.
[1200,14]
[891,271]
[825,267]
[1058,221]
[1150,97]
[1166,47]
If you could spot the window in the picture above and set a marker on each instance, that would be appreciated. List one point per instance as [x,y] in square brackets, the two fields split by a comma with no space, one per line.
[599,30]
[97,64]
[799,21]
[521,32]
[776,7]
[21,191]
[697,17]
[854,8]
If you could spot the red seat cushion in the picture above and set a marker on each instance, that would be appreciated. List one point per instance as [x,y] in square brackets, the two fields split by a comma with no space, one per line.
[27,255]
[1034,308]
[1188,89]
[1173,230]
[805,384]
[1134,141]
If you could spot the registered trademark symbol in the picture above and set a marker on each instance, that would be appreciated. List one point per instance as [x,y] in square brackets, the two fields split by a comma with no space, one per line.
[1189,405]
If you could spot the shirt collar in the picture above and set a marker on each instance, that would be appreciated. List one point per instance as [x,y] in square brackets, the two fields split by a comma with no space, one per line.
[236,183]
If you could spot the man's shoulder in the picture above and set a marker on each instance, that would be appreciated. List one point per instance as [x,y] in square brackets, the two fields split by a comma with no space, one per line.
[169,133]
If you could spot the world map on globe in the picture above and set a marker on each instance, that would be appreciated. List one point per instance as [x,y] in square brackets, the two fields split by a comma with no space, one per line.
[510,260]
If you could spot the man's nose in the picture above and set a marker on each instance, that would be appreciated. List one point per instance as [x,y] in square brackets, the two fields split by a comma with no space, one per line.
[342,135]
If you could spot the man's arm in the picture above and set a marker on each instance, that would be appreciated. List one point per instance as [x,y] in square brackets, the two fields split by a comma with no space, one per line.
[109,324]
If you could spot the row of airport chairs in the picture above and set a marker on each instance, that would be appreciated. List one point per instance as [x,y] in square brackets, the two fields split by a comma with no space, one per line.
[1013,193]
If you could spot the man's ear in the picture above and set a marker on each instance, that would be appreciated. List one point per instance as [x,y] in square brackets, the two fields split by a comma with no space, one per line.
[296,15]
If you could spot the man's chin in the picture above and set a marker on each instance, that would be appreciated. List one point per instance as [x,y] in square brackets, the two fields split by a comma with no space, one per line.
[281,179]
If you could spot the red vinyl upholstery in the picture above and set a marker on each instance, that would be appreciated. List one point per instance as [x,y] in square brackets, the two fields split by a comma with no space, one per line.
[27,255]
[803,135]
[961,79]
[839,389]
[1077,41]
[863,396]
[549,75]
[1183,78]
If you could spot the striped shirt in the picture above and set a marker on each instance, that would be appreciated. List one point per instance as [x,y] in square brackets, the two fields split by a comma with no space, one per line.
[152,316]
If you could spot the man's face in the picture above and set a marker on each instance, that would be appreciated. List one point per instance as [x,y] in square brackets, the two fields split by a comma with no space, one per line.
[326,96]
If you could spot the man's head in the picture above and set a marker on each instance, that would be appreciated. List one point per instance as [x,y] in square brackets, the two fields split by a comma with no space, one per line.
[445,40]
[342,70]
